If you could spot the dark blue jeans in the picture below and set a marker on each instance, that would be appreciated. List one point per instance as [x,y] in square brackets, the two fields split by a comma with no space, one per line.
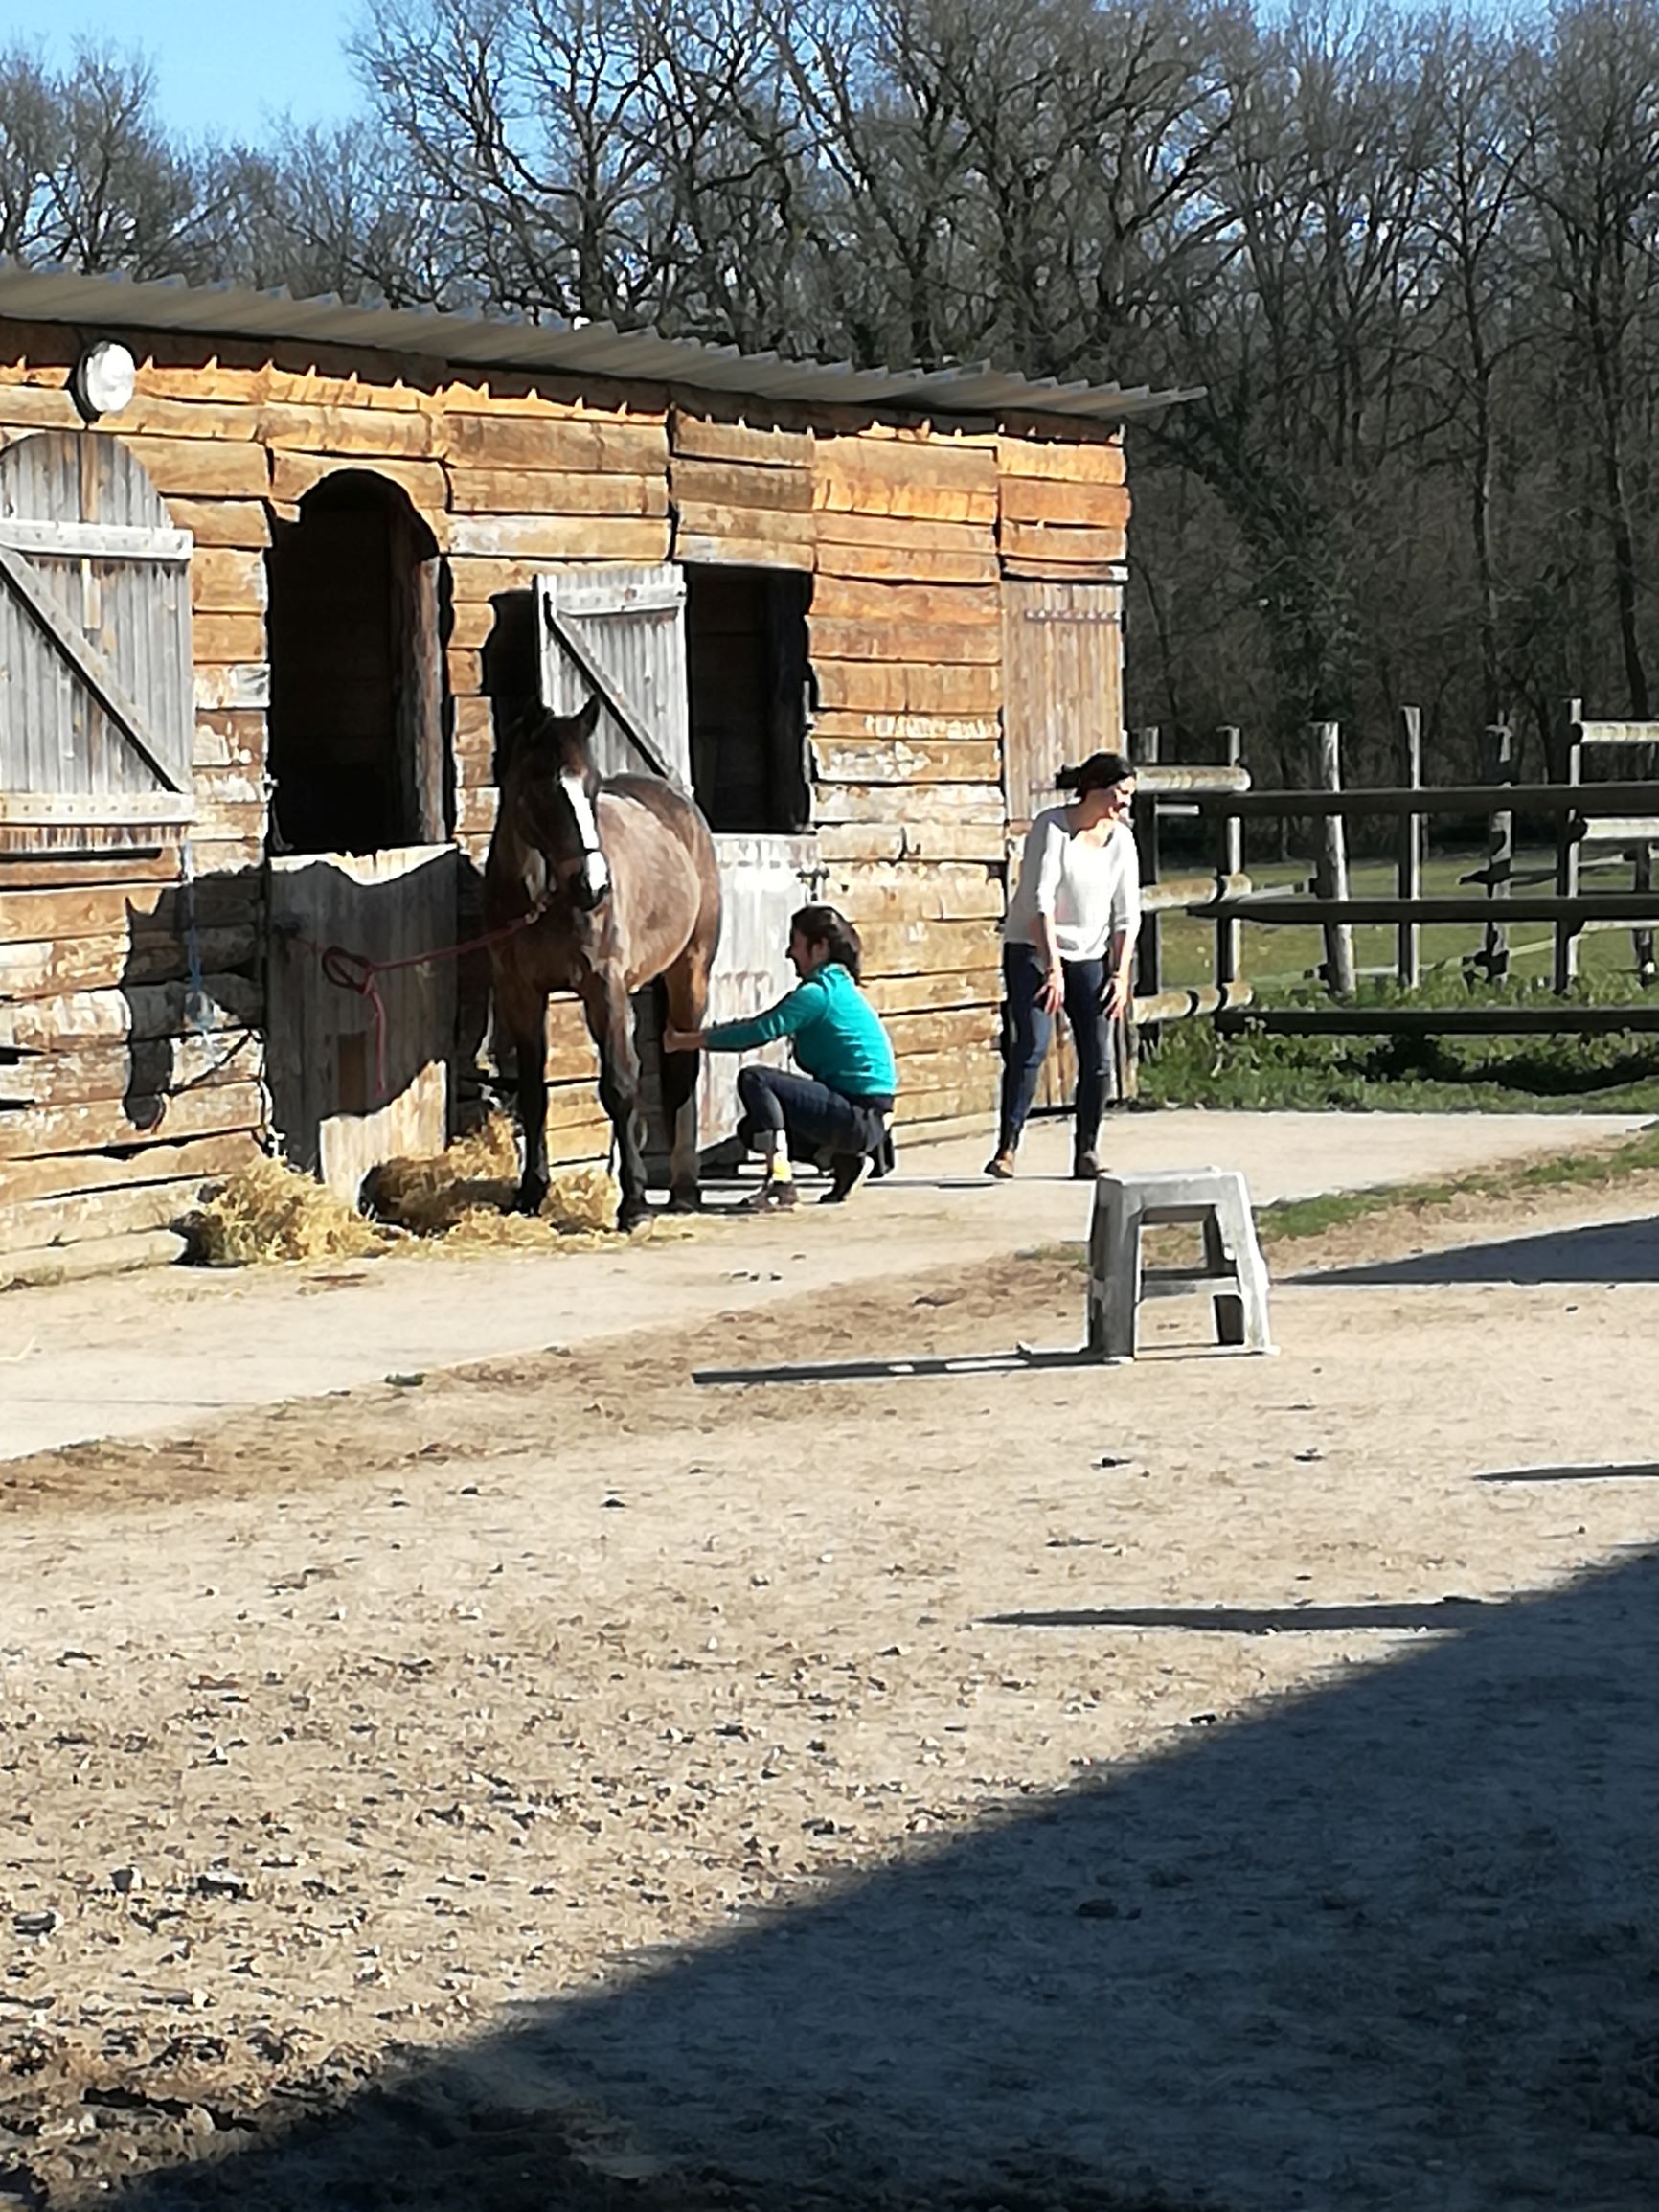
[1027,1027]
[811,1116]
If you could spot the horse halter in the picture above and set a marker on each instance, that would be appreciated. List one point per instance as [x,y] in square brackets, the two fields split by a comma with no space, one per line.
[590,879]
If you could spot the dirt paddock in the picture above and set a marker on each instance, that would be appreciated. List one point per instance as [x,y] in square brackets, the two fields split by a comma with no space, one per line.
[1217,1783]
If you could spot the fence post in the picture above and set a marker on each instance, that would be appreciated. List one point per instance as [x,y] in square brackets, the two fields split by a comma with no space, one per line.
[1143,747]
[1150,961]
[1498,766]
[1642,940]
[1228,861]
[1331,865]
[1570,770]
[1408,938]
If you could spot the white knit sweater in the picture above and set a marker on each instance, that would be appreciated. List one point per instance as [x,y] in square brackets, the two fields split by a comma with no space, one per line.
[1088,891]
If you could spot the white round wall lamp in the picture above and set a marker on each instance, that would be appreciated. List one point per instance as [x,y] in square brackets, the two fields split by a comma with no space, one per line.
[104,380]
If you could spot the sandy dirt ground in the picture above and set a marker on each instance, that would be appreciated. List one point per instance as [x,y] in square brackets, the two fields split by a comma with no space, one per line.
[1216,1783]
[166,1350]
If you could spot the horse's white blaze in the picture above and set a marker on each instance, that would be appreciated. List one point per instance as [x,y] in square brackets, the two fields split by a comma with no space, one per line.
[596,875]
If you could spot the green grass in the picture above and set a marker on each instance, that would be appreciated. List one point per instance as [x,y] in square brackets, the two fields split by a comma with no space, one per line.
[1292,1219]
[1193,1064]
[1297,1218]
[1276,955]
[1616,1072]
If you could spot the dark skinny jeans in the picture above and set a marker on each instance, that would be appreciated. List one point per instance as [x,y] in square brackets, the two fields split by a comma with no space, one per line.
[1027,1027]
[809,1115]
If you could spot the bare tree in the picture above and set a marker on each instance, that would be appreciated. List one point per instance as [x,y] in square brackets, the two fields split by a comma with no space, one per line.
[1592,173]
[87,173]
[1472,216]
[342,211]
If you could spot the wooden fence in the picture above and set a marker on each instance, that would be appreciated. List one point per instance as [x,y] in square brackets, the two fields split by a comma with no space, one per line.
[1161,784]
[1606,824]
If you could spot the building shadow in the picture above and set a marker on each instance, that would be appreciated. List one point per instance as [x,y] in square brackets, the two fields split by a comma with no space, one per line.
[198,1029]
[1438,1613]
[1634,1471]
[1018,1360]
[1387,1944]
[1612,1252]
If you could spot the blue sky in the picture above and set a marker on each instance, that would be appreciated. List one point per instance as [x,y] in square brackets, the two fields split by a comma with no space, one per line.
[222,67]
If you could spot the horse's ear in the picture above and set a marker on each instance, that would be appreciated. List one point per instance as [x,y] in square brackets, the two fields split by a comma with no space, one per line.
[583,725]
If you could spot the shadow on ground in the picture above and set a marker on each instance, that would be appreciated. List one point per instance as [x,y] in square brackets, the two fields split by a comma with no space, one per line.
[1630,1471]
[1615,1252]
[1393,1944]
[1015,1360]
[1253,1620]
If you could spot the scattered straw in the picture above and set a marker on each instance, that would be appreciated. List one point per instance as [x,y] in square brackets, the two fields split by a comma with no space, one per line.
[270,1212]
[462,1201]
[466,1195]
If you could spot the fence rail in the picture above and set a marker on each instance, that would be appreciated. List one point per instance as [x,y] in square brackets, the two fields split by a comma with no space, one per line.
[1589,799]
[1599,825]
[1443,1020]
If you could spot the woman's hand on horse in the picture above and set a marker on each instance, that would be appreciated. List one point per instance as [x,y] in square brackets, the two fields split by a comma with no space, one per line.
[682,1039]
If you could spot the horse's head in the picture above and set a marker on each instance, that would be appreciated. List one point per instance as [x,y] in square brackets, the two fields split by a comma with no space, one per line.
[553,784]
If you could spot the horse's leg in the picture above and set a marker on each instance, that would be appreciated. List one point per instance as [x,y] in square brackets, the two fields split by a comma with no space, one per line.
[526,1018]
[610,1021]
[685,989]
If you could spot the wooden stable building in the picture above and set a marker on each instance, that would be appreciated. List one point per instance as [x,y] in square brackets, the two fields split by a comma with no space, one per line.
[275,576]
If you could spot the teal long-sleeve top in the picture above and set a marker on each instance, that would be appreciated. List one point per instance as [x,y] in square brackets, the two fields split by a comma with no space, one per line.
[837,1034]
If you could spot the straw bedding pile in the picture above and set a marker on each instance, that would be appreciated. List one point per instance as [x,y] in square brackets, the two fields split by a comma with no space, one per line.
[459,1201]
[466,1194]
[271,1212]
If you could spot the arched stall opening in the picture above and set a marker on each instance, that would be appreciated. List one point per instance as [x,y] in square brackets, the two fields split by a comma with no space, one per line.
[357,736]
[360,854]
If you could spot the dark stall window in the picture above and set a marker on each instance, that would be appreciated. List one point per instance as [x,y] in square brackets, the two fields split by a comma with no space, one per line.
[356,745]
[748,677]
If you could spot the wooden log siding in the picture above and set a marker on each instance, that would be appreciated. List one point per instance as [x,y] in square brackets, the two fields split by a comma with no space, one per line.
[906,646]
[906,641]
[741,496]
[115,1103]
[1064,508]
[908,532]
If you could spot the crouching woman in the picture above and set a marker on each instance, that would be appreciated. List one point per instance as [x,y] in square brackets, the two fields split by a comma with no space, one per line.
[842,1102]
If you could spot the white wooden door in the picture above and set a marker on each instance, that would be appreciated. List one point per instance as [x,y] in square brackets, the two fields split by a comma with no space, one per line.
[620,632]
[96,682]
[763,881]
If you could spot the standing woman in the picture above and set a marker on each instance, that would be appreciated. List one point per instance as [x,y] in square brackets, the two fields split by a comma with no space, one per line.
[1069,941]
[842,1102]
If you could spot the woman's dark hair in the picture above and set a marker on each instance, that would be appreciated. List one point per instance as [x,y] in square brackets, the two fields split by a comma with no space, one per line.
[1098,773]
[828,926]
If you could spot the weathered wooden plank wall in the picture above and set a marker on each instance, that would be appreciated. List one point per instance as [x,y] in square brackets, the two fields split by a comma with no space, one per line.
[911,532]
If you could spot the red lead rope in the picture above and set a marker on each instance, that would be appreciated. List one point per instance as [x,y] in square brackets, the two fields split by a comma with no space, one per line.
[357,972]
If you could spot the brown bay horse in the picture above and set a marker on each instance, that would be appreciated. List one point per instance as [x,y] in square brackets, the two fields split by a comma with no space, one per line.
[620,876]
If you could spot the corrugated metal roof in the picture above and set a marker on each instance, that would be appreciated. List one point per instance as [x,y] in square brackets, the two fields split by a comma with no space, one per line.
[477,340]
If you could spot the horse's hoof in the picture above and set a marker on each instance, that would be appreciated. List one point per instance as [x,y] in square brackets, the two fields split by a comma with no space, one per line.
[530,1198]
[632,1218]
[686,1201]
